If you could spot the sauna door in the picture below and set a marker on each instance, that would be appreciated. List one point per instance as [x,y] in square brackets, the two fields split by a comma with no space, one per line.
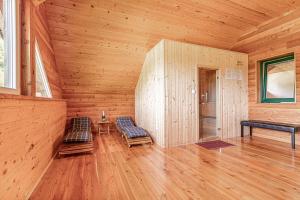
[207,101]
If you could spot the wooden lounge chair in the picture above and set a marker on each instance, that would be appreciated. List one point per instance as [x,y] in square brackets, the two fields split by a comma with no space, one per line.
[132,134]
[79,137]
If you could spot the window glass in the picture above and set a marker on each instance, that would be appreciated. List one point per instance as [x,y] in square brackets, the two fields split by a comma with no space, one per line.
[8,41]
[42,84]
[278,80]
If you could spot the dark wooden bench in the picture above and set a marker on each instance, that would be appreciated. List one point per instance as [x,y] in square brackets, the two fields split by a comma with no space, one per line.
[291,128]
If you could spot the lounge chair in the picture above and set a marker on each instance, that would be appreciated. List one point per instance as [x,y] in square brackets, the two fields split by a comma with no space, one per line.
[79,137]
[133,134]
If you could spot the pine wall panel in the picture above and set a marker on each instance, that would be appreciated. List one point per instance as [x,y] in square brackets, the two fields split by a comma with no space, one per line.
[92,105]
[277,37]
[150,93]
[30,131]
[182,109]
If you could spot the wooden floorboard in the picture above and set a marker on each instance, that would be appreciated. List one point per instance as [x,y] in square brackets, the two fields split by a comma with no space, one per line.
[254,168]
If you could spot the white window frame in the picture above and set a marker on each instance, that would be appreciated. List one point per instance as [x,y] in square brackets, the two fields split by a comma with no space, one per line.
[12,45]
[40,67]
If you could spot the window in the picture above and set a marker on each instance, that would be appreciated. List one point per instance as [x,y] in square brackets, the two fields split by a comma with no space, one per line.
[42,85]
[8,45]
[278,79]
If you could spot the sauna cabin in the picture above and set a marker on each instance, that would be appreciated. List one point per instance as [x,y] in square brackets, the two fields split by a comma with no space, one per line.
[129,99]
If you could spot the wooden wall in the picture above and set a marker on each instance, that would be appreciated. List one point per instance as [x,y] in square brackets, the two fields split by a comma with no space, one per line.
[181,62]
[30,130]
[277,37]
[150,93]
[92,104]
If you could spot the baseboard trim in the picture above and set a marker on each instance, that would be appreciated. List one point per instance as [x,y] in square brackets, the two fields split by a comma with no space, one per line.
[40,178]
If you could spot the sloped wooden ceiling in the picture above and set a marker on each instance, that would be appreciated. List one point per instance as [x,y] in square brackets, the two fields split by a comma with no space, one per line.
[100,45]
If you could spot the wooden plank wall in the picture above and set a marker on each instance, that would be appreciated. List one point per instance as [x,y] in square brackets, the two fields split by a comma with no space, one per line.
[30,130]
[277,37]
[149,95]
[181,61]
[91,104]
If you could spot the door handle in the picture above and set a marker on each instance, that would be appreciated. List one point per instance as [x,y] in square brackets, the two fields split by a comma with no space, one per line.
[203,99]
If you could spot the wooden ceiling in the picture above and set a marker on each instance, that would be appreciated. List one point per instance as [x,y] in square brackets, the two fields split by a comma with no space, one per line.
[100,45]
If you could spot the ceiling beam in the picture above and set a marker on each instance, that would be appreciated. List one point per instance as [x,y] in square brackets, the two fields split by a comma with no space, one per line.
[38,2]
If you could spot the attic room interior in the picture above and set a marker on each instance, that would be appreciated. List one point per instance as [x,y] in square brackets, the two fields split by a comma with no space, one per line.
[149,99]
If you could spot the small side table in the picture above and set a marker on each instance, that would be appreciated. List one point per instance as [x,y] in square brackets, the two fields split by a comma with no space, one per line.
[101,124]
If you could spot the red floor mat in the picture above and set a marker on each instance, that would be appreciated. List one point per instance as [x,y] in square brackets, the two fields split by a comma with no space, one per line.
[216,144]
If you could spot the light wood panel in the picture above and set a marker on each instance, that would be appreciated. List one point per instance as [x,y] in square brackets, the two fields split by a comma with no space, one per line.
[92,105]
[182,106]
[27,49]
[277,37]
[100,46]
[30,130]
[253,169]
[150,95]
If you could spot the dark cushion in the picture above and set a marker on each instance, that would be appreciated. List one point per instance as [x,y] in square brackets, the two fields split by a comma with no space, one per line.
[81,124]
[78,136]
[124,122]
[134,131]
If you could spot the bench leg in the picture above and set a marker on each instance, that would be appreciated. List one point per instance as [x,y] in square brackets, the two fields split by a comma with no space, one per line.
[250,130]
[293,141]
[242,131]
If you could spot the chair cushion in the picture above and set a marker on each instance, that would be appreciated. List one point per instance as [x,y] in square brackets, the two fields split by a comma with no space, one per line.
[81,124]
[78,136]
[124,122]
[134,131]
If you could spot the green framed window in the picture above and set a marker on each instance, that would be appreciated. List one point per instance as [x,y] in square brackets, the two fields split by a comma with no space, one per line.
[278,77]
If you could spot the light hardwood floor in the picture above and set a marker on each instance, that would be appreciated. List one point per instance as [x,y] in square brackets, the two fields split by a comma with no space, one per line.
[253,169]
